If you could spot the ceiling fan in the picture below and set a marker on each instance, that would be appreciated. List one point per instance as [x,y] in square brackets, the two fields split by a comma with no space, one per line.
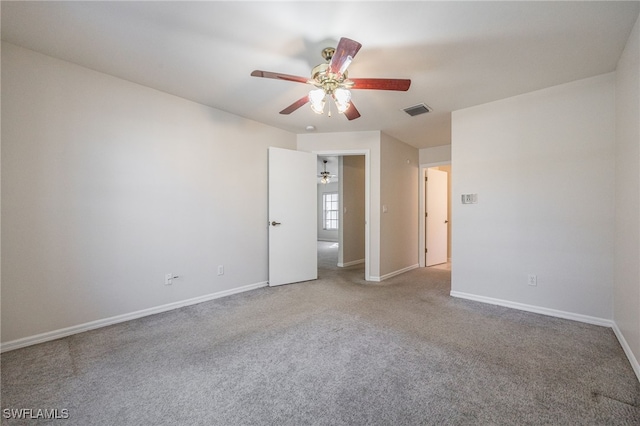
[325,175]
[331,80]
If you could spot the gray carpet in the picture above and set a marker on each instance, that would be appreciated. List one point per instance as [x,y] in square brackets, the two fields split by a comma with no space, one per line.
[336,351]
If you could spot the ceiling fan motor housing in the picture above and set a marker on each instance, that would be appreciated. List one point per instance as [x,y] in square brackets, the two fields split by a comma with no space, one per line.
[322,78]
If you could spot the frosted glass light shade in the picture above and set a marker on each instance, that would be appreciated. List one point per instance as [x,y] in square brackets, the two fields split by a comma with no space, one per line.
[316,98]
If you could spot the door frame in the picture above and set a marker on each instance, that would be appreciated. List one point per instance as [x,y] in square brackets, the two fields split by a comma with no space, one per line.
[367,198]
[422,202]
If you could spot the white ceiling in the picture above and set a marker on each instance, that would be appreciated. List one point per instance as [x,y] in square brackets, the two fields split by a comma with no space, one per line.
[457,54]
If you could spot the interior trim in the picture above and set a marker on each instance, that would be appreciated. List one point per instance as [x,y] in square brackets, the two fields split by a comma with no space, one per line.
[92,325]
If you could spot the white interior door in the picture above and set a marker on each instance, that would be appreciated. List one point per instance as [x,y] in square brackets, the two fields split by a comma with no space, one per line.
[436,220]
[293,233]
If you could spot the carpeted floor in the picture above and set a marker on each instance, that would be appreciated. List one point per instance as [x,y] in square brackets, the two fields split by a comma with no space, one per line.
[336,351]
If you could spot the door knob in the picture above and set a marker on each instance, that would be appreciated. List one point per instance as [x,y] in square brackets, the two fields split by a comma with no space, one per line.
[446,221]
[274,223]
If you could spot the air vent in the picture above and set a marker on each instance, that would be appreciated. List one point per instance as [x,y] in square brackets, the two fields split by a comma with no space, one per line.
[417,110]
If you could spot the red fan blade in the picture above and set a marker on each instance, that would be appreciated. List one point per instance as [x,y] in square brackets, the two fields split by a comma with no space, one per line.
[343,55]
[294,106]
[279,76]
[351,113]
[381,84]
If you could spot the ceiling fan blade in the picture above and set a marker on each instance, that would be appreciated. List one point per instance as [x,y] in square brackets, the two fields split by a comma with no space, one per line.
[294,106]
[344,54]
[381,84]
[351,113]
[279,76]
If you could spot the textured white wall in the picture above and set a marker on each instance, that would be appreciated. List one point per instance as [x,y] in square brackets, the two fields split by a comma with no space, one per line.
[542,165]
[435,155]
[626,312]
[108,185]
[399,194]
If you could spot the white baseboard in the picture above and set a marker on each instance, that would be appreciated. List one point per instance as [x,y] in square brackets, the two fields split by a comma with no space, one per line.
[627,350]
[64,332]
[560,314]
[394,273]
[351,263]
[535,309]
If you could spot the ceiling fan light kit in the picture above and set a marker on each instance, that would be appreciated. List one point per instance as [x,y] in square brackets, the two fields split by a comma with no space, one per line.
[331,80]
[316,98]
[325,175]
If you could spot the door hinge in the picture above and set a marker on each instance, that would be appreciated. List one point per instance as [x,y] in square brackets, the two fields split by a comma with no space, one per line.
[426,214]
[426,250]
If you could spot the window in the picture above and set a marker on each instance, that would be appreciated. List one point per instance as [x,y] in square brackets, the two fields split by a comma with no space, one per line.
[330,210]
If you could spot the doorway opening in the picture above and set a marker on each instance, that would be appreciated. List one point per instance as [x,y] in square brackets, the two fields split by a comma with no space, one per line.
[435,227]
[349,173]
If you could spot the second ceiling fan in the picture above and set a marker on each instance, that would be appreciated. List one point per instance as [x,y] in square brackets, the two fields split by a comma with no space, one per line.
[331,80]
